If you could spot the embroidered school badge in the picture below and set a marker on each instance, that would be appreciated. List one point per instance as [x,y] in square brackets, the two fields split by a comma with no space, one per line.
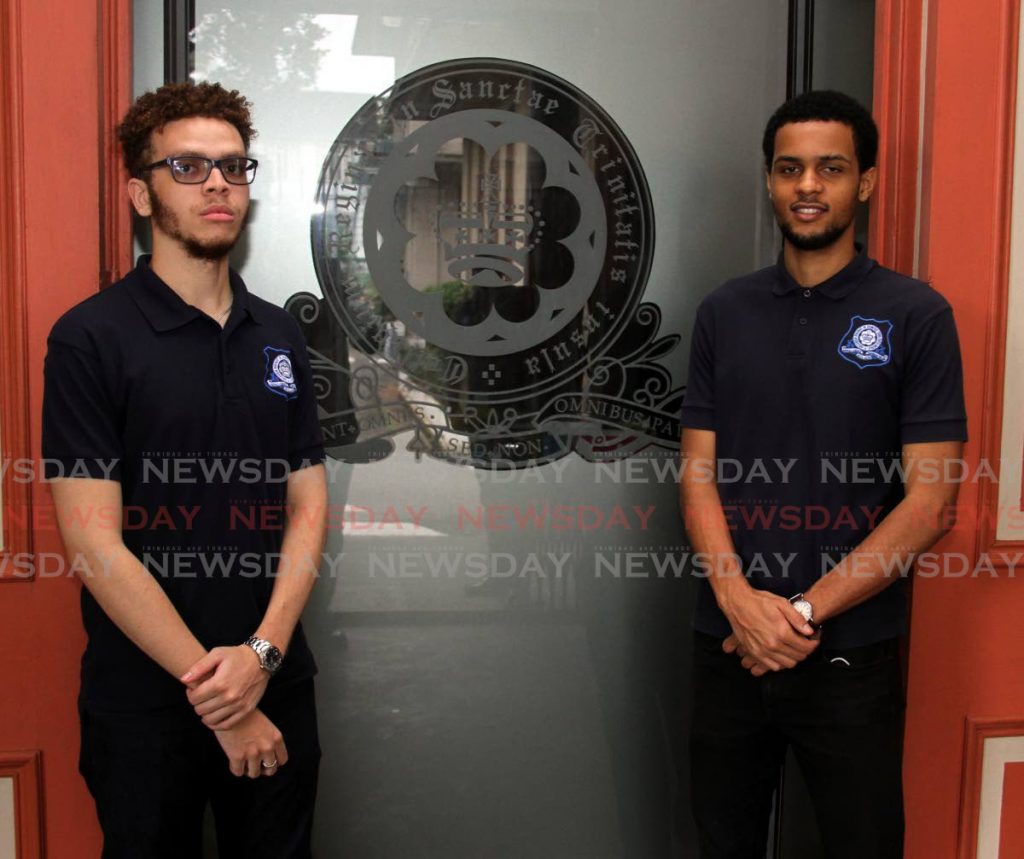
[866,342]
[280,379]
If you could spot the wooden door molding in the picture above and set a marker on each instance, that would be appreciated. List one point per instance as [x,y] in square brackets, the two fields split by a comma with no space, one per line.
[900,222]
[16,485]
[15,443]
[991,435]
[960,667]
[893,229]
[25,769]
[116,36]
[976,733]
[80,73]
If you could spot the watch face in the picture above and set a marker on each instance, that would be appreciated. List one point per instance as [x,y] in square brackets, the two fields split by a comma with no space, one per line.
[804,608]
[272,659]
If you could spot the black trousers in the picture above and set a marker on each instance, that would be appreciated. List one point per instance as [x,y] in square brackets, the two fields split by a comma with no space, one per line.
[841,711]
[152,780]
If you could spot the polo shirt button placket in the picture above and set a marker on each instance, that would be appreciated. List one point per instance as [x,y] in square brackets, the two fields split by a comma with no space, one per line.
[800,332]
[224,365]
[803,319]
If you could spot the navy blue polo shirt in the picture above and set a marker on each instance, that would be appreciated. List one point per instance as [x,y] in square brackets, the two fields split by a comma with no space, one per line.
[201,426]
[811,394]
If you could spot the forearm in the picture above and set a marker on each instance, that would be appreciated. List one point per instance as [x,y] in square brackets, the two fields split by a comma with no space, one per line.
[135,602]
[765,627]
[235,679]
[295,575]
[885,555]
[709,535]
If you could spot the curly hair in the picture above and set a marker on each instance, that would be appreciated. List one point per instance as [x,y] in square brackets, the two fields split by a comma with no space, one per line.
[153,110]
[826,105]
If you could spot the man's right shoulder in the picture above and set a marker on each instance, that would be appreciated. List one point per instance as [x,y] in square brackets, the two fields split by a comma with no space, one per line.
[96,319]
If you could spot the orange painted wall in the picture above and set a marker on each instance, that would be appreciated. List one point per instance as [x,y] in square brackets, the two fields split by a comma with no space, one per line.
[967,649]
[40,629]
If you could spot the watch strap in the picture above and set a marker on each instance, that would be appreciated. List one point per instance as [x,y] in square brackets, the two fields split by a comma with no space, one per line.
[270,656]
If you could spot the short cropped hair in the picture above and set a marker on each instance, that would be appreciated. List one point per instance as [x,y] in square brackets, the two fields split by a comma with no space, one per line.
[825,105]
[153,110]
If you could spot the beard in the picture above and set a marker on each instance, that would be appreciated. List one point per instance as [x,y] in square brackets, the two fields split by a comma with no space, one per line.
[170,225]
[813,241]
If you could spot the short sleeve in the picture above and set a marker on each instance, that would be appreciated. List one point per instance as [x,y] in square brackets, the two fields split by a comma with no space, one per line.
[80,422]
[305,439]
[932,403]
[699,399]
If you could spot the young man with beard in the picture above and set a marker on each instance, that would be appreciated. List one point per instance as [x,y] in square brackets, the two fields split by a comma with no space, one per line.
[824,357]
[197,682]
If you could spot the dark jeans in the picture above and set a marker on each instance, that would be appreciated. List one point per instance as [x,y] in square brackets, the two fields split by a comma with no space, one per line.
[152,780]
[841,711]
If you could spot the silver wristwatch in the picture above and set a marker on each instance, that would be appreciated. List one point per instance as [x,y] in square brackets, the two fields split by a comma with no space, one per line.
[270,656]
[806,610]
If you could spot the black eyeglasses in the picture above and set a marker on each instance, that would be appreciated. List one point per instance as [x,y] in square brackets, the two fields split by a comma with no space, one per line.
[194,170]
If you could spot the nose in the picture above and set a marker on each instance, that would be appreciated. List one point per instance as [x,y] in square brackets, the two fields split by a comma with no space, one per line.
[215,181]
[810,183]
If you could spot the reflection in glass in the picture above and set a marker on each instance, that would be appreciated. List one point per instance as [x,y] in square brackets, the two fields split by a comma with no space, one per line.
[496,713]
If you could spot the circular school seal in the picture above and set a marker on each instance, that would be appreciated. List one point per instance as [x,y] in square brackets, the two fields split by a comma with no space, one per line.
[483,231]
[283,368]
[868,337]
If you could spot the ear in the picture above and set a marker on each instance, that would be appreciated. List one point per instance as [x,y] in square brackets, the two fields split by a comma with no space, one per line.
[768,183]
[868,180]
[138,193]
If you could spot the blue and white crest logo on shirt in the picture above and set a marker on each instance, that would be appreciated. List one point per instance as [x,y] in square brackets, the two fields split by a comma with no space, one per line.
[279,378]
[866,342]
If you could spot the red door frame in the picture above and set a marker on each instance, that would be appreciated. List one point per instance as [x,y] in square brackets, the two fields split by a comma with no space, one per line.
[14,413]
[946,205]
[65,78]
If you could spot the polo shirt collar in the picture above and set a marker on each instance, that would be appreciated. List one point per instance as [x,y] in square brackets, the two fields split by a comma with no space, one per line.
[242,300]
[840,285]
[165,310]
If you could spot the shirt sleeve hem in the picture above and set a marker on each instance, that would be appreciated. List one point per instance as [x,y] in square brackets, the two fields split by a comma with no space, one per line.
[59,467]
[306,457]
[929,431]
[696,417]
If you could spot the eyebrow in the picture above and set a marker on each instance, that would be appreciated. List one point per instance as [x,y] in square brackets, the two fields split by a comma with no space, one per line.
[792,159]
[192,153]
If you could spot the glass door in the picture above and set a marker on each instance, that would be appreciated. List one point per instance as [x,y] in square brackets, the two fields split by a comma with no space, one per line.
[494,223]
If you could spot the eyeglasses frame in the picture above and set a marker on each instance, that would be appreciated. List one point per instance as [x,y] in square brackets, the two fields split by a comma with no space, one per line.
[211,164]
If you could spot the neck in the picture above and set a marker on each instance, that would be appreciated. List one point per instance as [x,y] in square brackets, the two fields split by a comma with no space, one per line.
[202,283]
[809,268]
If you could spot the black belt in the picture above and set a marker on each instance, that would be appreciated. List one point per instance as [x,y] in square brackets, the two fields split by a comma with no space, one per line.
[863,653]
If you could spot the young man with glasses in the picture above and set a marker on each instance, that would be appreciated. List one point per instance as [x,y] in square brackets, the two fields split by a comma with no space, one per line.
[188,402]
[848,374]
